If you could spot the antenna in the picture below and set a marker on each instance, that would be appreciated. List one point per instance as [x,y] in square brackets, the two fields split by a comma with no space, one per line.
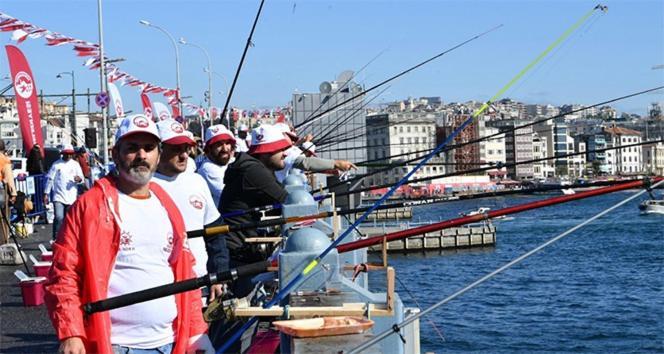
[325,87]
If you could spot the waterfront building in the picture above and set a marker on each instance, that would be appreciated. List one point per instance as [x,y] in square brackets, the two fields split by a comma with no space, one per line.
[395,137]
[541,169]
[555,132]
[492,151]
[653,158]
[518,148]
[626,160]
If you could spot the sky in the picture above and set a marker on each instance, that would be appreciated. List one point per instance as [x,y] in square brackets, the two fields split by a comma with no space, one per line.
[298,44]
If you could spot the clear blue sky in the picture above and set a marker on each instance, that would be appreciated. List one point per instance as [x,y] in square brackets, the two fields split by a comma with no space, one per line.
[299,44]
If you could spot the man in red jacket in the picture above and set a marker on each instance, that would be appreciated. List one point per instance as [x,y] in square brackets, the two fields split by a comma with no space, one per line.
[124,235]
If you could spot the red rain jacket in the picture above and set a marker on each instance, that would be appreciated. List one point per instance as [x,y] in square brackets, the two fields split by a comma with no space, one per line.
[83,258]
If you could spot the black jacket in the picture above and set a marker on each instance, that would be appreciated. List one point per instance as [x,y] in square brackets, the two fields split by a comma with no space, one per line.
[35,162]
[248,184]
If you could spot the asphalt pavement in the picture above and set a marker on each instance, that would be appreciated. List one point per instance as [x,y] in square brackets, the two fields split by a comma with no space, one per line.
[24,329]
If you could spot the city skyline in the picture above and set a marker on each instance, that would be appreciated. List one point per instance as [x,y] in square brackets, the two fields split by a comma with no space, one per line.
[298,44]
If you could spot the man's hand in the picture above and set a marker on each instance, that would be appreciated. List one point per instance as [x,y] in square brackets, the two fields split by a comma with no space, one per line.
[216,291]
[45,198]
[72,345]
[343,165]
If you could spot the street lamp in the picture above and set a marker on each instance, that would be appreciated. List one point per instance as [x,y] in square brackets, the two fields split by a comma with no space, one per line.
[223,93]
[73,101]
[177,59]
[209,72]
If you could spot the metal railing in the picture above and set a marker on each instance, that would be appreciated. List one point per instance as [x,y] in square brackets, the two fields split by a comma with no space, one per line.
[33,187]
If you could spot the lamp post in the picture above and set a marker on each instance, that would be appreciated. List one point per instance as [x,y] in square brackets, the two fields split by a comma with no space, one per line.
[103,85]
[177,59]
[225,92]
[209,72]
[72,122]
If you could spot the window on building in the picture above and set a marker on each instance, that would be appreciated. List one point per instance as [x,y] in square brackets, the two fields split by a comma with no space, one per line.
[400,129]
[410,140]
[401,141]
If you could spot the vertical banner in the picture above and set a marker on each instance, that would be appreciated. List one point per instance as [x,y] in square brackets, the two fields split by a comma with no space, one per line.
[117,100]
[147,106]
[26,98]
[161,111]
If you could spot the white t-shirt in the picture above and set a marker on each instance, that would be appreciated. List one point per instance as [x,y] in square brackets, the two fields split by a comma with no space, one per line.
[213,174]
[146,242]
[192,197]
[291,155]
[60,179]
[241,145]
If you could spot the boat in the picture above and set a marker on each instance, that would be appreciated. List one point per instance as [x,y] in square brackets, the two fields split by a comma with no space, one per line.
[652,206]
[484,210]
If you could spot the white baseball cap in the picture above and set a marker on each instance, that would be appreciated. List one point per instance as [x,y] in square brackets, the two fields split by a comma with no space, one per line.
[308,146]
[286,130]
[268,139]
[173,133]
[218,132]
[68,149]
[243,128]
[134,124]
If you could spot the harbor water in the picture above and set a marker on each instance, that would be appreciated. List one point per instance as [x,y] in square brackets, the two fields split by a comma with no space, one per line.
[599,290]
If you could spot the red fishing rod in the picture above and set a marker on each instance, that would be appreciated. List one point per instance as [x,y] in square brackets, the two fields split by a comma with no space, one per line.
[491,214]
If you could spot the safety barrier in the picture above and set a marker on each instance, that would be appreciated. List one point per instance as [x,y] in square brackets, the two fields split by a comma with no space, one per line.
[33,187]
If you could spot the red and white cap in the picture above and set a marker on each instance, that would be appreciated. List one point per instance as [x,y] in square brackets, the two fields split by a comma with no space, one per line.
[309,147]
[284,128]
[216,133]
[268,139]
[173,133]
[67,149]
[134,124]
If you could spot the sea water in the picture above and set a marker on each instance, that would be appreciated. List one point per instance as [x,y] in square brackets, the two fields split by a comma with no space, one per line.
[599,290]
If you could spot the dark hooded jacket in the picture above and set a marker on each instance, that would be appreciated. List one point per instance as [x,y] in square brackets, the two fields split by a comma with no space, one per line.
[248,184]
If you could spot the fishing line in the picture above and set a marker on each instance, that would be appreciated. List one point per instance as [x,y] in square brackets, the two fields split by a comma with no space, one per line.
[405,72]
[279,296]
[433,324]
[398,326]
[308,121]
[239,68]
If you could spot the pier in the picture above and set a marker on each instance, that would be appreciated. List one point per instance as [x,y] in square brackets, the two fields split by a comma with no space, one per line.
[476,235]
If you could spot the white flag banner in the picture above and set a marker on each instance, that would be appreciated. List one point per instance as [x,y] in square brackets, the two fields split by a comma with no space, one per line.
[117,100]
[161,111]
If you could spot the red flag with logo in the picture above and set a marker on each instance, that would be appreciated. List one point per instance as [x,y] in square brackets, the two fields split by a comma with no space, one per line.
[26,98]
[147,106]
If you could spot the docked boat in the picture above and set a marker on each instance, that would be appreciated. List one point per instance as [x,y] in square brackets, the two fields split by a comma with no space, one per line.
[652,206]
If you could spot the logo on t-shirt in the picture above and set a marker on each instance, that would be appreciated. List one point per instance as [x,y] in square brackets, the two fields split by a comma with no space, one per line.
[126,241]
[196,201]
[169,246]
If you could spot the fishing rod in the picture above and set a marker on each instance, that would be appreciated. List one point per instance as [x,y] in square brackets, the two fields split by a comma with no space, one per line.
[489,166]
[313,263]
[400,74]
[396,328]
[348,117]
[175,288]
[223,229]
[260,267]
[308,120]
[497,166]
[239,68]
[491,136]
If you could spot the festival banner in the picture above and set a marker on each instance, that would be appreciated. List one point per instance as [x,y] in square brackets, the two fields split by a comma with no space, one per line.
[147,106]
[26,98]
[117,100]
[161,110]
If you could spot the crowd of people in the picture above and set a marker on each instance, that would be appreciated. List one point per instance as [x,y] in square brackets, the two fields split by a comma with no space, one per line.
[128,231]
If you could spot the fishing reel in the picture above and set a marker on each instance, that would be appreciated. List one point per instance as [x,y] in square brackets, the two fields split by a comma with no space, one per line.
[223,307]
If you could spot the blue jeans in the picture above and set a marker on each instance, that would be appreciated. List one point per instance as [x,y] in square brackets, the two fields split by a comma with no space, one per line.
[164,349]
[59,209]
